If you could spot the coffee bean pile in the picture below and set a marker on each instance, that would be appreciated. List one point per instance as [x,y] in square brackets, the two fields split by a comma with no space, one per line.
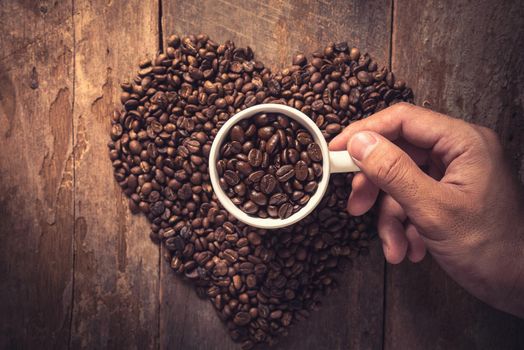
[260,282]
[269,166]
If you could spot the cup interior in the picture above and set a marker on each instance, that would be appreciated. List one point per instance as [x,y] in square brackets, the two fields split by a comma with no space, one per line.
[306,122]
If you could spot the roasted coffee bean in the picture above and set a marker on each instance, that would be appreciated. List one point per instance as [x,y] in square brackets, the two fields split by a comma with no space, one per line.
[268,183]
[135,147]
[266,132]
[278,198]
[255,157]
[244,168]
[285,173]
[160,141]
[250,207]
[220,269]
[237,133]
[231,177]
[242,318]
[304,138]
[314,152]
[285,210]
[255,177]
[333,128]
[299,60]
[301,170]
[310,187]
[258,198]
[272,143]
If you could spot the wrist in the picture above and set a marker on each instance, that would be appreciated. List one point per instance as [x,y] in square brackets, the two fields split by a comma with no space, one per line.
[507,289]
[491,267]
[515,296]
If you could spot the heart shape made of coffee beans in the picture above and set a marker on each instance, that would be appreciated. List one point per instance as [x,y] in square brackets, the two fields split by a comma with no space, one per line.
[260,282]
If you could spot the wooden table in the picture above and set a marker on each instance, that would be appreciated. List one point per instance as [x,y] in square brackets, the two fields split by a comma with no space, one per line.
[78,271]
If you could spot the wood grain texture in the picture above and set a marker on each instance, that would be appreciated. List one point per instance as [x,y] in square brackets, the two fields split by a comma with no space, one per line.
[77,270]
[464,59]
[276,30]
[36,174]
[116,264]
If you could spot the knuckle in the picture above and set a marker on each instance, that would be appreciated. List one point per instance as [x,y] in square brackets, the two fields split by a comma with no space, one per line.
[488,134]
[402,107]
[488,140]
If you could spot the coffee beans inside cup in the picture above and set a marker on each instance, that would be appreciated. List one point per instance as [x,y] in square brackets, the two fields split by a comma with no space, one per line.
[269,165]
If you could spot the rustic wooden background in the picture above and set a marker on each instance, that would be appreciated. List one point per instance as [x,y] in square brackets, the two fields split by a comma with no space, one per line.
[78,271]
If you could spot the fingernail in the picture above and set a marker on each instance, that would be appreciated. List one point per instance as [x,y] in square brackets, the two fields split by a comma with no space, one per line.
[361,144]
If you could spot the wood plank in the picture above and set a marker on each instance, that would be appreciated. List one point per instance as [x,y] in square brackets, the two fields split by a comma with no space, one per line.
[36,192]
[466,60]
[116,264]
[276,30]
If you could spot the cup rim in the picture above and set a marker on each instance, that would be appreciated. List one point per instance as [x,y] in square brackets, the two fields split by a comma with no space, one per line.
[305,121]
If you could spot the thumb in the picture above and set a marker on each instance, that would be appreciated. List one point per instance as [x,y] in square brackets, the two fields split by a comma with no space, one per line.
[392,170]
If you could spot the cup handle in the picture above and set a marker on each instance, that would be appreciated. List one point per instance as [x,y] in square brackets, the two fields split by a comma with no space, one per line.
[341,162]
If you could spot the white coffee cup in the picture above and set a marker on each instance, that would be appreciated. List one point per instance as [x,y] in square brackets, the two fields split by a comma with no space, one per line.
[332,162]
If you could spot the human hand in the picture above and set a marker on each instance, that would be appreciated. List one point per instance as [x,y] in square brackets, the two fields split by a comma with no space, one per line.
[465,209]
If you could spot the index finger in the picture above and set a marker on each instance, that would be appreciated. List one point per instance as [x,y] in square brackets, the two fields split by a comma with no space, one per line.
[419,126]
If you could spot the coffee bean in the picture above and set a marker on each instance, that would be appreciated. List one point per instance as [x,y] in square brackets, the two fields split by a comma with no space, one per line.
[285,173]
[250,207]
[135,147]
[299,60]
[304,138]
[246,268]
[314,152]
[364,77]
[231,177]
[268,183]
[255,157]
[254,238]
[297,195]
[244,167]
[272,143]
[292,155]
[242,318]
[333,128]
[301,170]
[258,198]
[255,177]
[278,199]
[275,314]
[237,133]
[266,132]
[251,281]
[237,282]
[303,199]
[193,146]
[310,187]
[317,169]
[220,269]
[285,210]
[230,255]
